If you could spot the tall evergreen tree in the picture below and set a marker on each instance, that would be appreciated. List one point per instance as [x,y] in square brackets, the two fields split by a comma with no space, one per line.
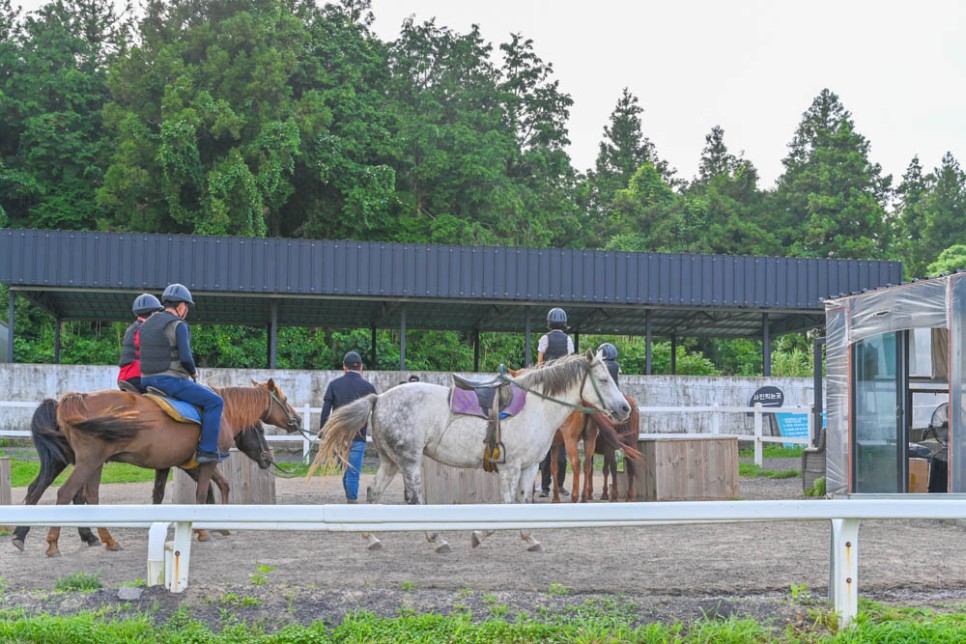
[945,209]
[911,208]
[829,201]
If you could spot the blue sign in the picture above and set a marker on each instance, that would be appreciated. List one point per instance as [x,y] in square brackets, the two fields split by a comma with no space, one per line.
[792,426]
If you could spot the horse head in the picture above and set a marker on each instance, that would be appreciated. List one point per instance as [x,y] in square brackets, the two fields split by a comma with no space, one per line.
[251,442]
[279,413]
[600,390]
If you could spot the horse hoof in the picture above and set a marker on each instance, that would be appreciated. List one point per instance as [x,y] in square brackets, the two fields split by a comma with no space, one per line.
[203,536]
[225,533]
[535,548]
[53,553]
[113,547]
[93,541]
[443,549]
[18,544]
[375,545]
[477,538]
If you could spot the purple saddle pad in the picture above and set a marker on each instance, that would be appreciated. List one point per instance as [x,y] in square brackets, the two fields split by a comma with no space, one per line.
[463,401]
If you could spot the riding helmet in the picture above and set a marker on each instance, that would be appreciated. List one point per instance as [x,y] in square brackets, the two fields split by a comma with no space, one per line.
[145,304]
[176,293]
[608,351]
[557,318]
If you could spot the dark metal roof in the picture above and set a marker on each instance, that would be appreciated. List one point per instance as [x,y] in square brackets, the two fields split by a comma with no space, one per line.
[95,276]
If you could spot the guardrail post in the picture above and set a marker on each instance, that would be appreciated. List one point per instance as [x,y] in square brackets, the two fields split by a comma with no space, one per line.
[157,535]
[307,426]
[177,557]
[844,570]
[758,451]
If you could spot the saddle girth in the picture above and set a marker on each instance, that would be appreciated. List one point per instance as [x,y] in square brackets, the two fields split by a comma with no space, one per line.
[494,452]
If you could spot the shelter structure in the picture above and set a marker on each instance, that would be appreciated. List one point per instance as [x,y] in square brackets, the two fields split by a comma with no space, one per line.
[896,360]
[344,284]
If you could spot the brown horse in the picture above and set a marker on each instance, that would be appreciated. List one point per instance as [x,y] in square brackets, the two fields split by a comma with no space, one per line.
[602,437]
[114,425]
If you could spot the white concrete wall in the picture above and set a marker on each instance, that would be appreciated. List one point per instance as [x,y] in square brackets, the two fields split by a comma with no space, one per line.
[34,382]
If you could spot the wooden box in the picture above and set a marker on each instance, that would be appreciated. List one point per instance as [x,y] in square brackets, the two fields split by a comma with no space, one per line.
[445,485]
[685,468]
[248,484]
[918,475]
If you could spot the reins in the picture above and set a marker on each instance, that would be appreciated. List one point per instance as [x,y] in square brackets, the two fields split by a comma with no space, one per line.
[282,472]
[582,408]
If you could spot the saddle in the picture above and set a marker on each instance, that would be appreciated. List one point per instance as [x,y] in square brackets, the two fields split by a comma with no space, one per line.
[179,410]
[490,398]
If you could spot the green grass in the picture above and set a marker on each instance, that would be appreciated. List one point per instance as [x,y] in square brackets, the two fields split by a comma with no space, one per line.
[750,470]
[615,621]
[23,471]
[773,450]
[79,581]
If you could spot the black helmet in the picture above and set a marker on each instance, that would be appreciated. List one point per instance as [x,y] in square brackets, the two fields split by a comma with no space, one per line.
[175,293]
[557,318]
[608,351]
[145,304]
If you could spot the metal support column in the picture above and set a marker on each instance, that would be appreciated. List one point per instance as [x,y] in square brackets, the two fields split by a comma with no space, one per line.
[57,328]
[674,355]
[765,346]
[526,353]
[372,348]
[476,350]
[402,339]
[817,405]
[647,342]
[273,335]
[576,342]
[10,321]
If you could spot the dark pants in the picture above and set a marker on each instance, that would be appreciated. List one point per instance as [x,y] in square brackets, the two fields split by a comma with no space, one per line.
[198,395]
[545,475]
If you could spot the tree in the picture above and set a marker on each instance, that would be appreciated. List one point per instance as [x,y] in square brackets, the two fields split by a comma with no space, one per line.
[623,150]
[53,68]
[912,216]
[950,260]
[829,200]
[945,209]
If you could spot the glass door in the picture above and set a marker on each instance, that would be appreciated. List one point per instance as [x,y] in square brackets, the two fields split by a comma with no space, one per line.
[878,428]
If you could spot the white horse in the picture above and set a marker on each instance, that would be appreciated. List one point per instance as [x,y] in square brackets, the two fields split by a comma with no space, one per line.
[413,420]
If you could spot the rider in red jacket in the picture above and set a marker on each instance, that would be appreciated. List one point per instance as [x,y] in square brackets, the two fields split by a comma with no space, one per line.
[130,376]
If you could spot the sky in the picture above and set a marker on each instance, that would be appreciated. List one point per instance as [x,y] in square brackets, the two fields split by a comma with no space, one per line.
[752,67]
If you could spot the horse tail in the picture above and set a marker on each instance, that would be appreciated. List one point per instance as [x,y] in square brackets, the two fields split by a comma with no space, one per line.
[118,423]
[52,447]
[342,426]
[622,436]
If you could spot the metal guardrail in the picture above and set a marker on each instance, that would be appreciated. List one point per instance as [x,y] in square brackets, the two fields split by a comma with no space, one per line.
[169,562]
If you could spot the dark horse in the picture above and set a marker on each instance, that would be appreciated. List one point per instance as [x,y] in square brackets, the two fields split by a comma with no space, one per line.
[626,434]
[55,454]
[114,425]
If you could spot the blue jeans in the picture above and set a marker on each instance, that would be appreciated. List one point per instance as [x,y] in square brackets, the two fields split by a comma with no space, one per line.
[191,392]
[350,479]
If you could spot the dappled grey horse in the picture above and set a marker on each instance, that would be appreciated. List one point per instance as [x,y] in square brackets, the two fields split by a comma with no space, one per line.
[413,420]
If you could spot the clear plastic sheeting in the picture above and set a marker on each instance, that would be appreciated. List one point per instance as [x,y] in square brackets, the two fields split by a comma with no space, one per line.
[866,336]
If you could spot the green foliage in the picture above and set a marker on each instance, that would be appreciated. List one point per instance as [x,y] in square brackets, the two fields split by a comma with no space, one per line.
[817,489]
[81,581]
[949,261]
[750,470]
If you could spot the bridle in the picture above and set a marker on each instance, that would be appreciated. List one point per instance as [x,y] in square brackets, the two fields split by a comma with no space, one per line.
[281,472]
[582,408]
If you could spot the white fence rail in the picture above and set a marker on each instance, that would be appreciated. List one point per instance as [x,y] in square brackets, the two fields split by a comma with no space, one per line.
[169,563]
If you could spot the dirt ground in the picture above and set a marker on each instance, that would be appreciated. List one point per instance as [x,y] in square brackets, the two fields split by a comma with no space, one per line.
[668,572]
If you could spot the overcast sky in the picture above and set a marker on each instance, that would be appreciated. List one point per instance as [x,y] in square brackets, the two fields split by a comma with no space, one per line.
[752,67]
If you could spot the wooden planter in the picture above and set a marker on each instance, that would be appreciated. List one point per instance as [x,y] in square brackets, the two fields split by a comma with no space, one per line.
[248,485]
[445,485]
[685,468]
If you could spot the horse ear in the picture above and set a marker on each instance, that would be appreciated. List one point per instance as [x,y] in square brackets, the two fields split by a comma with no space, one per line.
[590,355]
[254,382]
[271,384]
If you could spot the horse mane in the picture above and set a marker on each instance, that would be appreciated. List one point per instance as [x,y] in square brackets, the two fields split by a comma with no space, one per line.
[558,375]
[247,405]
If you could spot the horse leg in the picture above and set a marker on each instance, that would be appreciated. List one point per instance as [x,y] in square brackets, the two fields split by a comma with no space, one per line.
[610,465]
[71,487]
[555,466]
[631,470]
[35,491]
[511,485]
[590,446]
[92,488]
[570,443]
[384,476]
[223,487]
[413,481]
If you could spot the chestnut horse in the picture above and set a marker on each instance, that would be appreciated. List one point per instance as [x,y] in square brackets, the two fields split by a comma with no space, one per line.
[600,436]
[113,425]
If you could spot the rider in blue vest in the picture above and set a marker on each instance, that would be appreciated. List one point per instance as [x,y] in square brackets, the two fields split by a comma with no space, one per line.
[167,364]
[552,345]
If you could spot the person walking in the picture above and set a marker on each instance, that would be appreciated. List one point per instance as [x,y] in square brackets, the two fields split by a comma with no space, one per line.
[129,378]
[341,391]
[167,364]
[552,345]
